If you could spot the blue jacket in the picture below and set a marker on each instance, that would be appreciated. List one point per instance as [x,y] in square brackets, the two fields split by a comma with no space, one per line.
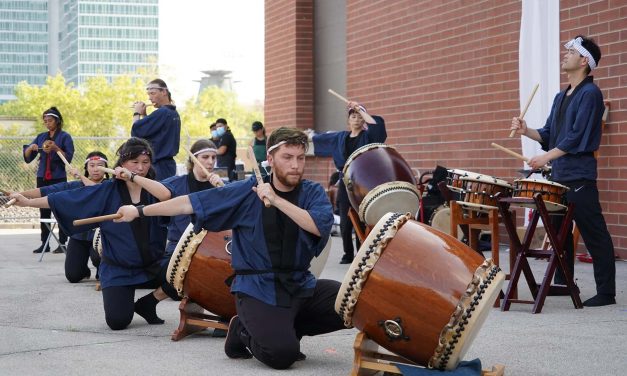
[236,206]
[68,186]
[332,144]
[57,168]
[119,244]
[580,133]
[162,129]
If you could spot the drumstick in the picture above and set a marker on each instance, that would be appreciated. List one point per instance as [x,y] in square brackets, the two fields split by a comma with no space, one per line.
[515,155]
[522,114]
[10,202]
[251,155]
[102,218]
[112,171]
[67,164]
[197,162]
[367,118]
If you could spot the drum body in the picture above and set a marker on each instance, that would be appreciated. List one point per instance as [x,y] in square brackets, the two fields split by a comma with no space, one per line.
[418,292]
[454,180]
[441,221]
[553,194]
[482,192]
[378,180]
[198,268]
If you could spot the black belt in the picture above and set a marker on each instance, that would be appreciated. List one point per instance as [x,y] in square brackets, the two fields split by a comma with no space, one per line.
[229,280]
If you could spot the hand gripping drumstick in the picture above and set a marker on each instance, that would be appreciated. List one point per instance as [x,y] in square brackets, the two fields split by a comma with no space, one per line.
[112,171]
[9,203]
[367,118]
[102,218]
[251,155]
[522,114]
[197,162]
[514,154]
[67,164]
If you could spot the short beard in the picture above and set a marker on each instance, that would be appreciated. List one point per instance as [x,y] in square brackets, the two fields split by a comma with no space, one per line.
[283,180]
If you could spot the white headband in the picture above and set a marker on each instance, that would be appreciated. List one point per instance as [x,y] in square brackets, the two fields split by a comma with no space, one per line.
[155,86]
[51,114]
[205,150]
[96,158]
[576,44]
[275,146]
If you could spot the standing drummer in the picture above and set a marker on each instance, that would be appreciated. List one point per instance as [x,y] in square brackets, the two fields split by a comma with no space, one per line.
[340,145]
[571,135]
[277,298]
[162,128]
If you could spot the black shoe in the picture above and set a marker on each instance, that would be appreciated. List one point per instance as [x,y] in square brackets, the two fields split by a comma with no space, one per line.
[301,356]
[600,300]
[58,250]
[234,348]
[41,247]
[346,260]
[146,307]
[218,333]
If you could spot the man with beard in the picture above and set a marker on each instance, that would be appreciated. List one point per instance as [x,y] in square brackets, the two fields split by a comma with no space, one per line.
[278,300]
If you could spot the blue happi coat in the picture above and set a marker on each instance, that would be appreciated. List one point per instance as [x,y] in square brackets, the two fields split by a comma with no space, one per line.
[122,260]
[237,207]
[64,141]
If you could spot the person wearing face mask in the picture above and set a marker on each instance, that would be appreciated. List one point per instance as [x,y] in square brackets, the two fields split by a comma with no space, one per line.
[214,134]
[226,148]
[340,145]
[162,128]
[51,169]
[79,248]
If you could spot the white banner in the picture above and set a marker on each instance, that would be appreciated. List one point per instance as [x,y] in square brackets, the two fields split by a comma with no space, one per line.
[538,63]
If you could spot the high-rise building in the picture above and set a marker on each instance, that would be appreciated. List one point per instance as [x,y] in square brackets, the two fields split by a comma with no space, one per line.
[23,44]
[79,38]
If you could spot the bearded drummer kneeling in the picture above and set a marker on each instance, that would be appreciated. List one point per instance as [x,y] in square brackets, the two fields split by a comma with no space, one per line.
[278,300]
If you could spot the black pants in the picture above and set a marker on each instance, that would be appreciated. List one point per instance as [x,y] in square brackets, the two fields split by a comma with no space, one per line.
[45,213]
[119,301]
[346,226]
[273,333]
[76,257]
[591,223]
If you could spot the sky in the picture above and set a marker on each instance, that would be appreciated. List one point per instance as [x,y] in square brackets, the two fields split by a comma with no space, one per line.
[198,35]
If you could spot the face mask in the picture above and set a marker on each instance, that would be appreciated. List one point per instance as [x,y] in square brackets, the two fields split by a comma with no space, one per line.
[220,131]
[214,134]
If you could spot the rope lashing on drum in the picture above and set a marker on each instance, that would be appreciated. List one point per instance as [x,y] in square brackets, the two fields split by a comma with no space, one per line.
[354,279]
[177,260]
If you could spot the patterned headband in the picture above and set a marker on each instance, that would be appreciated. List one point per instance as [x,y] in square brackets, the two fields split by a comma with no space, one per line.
[96,158]
[576,44]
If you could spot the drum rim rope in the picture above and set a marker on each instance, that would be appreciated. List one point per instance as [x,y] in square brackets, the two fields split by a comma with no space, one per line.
[182,257]
[383,189]
[96,241]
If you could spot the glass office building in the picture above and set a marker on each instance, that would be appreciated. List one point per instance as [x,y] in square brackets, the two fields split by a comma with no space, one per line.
[23,44]
[79,38]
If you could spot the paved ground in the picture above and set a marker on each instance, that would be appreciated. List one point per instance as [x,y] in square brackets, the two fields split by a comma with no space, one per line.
[51,327]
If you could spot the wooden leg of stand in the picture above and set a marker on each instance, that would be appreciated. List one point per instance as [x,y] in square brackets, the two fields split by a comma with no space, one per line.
[361,234]
[193,320]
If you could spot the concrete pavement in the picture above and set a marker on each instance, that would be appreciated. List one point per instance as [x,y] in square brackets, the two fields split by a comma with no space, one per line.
[51,327]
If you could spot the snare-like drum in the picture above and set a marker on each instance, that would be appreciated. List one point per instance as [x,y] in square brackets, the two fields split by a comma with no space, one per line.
[441,221]
[378,180]
[418,292]
[482,192]
[96,242]
[198,268]
[553,194]
[454,180]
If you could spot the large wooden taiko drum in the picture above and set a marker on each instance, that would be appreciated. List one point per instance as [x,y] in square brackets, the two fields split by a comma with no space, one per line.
[198,268]
[378,180]
[418,292]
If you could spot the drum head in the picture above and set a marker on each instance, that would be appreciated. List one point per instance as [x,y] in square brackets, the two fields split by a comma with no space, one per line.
[182,258]
[476,207]
[487,179]
[441,221]
[392,197]
[318,263]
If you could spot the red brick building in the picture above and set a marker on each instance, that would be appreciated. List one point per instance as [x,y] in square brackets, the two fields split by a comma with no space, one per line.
[444,74]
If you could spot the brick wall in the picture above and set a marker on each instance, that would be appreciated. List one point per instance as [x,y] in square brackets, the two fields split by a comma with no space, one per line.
[444,74]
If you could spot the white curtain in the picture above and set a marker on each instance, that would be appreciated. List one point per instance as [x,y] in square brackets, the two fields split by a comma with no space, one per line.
[538,63]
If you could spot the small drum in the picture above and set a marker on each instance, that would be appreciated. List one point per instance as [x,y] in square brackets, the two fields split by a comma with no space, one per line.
[96,242]
[482,192]
[553,194]
[198,268]
[441,221]
[378,180]
[417,292]
[454,180]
